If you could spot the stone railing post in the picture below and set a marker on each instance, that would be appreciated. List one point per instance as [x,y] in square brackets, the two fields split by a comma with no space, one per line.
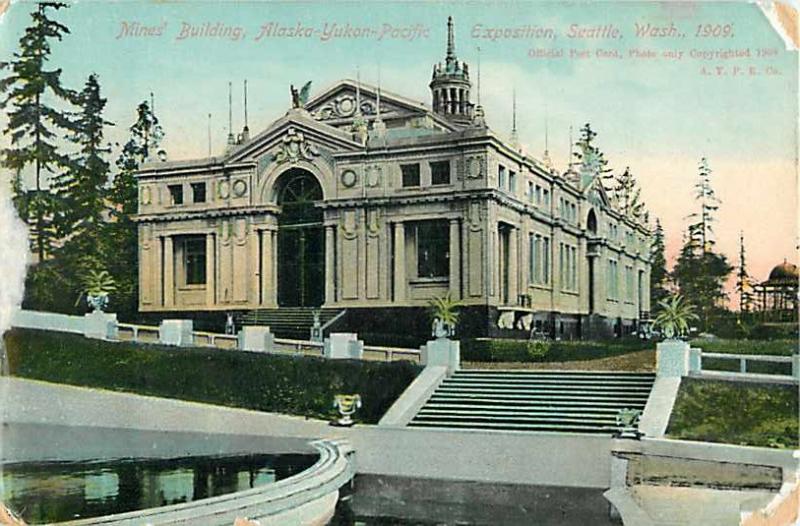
[672,358]
[100,325]
[442,352]
[255,338]
[343,345]
[176,332]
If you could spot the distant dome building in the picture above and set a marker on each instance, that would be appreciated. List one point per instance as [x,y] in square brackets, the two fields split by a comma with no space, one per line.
[776,298]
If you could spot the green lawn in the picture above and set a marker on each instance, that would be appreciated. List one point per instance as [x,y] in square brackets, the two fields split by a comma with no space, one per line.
[547,351]
[736,413]
[297,385]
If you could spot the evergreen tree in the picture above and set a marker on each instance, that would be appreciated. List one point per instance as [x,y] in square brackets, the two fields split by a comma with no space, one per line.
[592,162]
[145,137]
[659,276]
[83,192]
[699,272]
[34,124]
[702,230]
[627,195]
[743,286]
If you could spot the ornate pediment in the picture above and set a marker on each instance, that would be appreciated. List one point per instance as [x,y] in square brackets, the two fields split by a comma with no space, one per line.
[295,137]
[338,105]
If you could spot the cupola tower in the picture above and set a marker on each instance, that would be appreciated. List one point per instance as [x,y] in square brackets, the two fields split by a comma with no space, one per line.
[450,85]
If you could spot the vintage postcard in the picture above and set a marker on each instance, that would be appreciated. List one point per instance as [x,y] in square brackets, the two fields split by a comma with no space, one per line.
[397,262]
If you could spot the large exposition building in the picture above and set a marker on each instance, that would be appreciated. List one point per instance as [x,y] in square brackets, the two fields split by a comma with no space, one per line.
[367,201]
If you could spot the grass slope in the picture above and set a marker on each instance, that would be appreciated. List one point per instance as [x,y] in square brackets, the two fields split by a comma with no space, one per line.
[299,385]
[736,413]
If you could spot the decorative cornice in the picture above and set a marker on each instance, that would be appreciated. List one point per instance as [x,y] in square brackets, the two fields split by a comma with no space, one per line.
[206,214]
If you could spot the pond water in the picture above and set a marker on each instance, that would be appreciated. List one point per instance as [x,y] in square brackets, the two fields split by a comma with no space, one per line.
[44,492]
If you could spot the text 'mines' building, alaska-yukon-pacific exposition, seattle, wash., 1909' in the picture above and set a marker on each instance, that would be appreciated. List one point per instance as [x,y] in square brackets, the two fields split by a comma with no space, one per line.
[361,200]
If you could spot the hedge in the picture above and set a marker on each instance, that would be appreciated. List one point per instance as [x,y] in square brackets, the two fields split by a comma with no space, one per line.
[502,350]
[296,385]
[736,413]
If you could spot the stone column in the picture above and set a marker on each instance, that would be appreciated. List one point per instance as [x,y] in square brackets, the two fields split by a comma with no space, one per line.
[513,268]
[169,273]
[330,271]
[455,259]
[211,282]
[267,278]
[273,297]
[399,262]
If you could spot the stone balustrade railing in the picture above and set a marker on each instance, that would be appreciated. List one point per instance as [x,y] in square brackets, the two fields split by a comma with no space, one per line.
[181,333]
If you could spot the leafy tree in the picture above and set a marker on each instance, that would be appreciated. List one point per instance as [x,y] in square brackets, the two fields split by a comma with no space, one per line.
[34,123]
[145,137]
[593,164]
[659,276]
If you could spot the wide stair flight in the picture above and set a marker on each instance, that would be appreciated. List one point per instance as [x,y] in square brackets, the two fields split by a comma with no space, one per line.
[560,401]
[288,322]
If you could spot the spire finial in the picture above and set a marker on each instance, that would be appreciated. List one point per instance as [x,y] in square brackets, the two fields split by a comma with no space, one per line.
[514,135]
[451,43]
[246,129]
[209,135]
[479,75]
[358,91]
[231,138]
[548,162]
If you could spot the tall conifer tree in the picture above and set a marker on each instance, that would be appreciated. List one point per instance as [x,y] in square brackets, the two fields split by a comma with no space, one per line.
[35,123]
[145,137]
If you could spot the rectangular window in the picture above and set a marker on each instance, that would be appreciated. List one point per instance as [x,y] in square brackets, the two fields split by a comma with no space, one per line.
[175,194]
[410,174]
[629,283]
[533,263]
[501,177]
[545,260]
[433,249]
[198,192]
[546,197]
[512,182]
[613,280]
[440,172]
[194,260]
[530,192]
[538,195]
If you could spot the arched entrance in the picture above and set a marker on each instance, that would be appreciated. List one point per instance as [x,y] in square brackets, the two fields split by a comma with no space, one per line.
[301,240]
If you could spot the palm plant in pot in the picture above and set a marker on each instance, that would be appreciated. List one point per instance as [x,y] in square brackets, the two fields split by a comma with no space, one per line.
[444,312]
[674,317]
[98,284]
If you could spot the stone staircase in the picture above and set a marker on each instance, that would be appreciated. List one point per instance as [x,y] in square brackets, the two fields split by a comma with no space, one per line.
[288,322]
[560,401]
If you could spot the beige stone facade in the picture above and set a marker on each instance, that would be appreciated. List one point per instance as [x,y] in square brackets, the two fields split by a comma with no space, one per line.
[365,199]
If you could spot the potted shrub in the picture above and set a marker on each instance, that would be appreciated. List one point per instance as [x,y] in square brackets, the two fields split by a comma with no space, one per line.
[674,317]
[673,354]
[98,284]
[444,312]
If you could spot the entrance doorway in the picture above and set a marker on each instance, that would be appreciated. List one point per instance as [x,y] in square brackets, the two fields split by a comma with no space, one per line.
[301,241]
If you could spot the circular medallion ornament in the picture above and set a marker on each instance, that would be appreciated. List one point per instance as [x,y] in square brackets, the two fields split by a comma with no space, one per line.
[239,188]
[346,106]
[224,189]
[349,178]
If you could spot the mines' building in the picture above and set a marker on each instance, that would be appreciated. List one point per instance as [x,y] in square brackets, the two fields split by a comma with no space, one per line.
[363,201]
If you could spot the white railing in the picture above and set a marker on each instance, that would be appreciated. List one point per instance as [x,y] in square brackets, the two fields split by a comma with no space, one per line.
[391,353]
[745,359]
[136,333]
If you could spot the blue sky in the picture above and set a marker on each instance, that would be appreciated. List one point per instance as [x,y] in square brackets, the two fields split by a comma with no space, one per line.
[658,116]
